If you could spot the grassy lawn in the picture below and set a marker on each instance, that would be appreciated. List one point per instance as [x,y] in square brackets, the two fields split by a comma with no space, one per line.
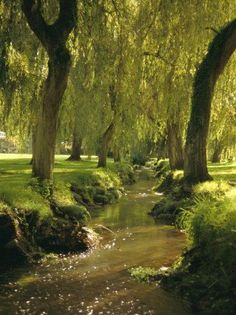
[223,171]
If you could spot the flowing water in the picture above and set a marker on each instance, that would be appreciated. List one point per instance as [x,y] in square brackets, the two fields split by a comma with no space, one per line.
[99,282]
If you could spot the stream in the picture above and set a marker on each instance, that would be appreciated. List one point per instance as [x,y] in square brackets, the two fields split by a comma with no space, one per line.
[99,282]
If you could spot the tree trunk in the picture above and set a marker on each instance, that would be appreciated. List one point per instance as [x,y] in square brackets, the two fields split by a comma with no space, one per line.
[162,148]
[105,143]
[108,134]
[219,52]
[218,149]
[53,37]
[47,125]
[175,146]
[76,148]
[116,153]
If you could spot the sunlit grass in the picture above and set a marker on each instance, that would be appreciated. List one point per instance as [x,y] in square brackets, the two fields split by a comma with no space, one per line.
[15,176]
[223,171]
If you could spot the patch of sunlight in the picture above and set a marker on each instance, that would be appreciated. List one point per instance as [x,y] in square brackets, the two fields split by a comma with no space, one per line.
[15,171]
[178,174]
[12,156]
[65,170]
[211,186]
[232,194]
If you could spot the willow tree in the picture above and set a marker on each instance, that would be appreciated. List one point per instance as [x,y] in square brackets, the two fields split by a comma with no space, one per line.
[219,52]
[53,37]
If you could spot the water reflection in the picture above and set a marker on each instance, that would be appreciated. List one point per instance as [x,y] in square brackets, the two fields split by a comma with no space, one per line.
[98,282]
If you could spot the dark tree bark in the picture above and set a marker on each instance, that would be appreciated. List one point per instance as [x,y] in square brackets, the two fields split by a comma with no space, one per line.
[76,148]
[162,148]
[116,153]
[218,149]
[108,134]
[175,145]
[53,38]
[106,140]
[219,52]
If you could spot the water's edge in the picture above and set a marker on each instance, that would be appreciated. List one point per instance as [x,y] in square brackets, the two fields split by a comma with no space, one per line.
[99,283]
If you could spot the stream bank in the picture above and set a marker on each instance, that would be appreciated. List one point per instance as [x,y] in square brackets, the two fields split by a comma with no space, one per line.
[28,232]
[99,282]
[204,274]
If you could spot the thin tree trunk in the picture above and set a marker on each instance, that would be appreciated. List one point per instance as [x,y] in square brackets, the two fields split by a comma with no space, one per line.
[108,134]
[219,52]
[116,153]
[33,144]
[76,148]
[162,148]
[175,145]
[218,149]
[105,144]
[53,38]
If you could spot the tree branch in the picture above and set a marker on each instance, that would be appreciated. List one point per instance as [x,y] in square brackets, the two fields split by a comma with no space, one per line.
[66,20]
[157,55]
[212,29]
[51,35]
[32,11]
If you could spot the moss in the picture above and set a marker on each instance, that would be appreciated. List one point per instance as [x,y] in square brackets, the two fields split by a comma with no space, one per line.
[79,213]
[26,280]
[101,199]
[143,274]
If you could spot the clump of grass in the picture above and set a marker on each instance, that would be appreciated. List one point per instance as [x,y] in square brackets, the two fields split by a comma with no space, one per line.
[211,188]
[209,220]
[143,274]
[205,273]
[124,171]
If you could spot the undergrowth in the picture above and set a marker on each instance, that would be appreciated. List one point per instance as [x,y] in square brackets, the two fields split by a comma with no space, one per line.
[205,273]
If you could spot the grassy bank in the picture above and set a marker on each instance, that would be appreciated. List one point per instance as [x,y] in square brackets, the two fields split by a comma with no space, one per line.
[53,214]
[205,273]
[176,197]
[17,188]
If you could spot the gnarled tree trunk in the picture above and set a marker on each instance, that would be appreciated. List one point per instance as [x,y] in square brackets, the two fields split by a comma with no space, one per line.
[53,38]
[175,145]
[219,52]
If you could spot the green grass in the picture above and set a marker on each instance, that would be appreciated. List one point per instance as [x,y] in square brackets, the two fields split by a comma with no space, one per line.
[206,269]
[142,274]
[223,171]
[15,176]
[205,272]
